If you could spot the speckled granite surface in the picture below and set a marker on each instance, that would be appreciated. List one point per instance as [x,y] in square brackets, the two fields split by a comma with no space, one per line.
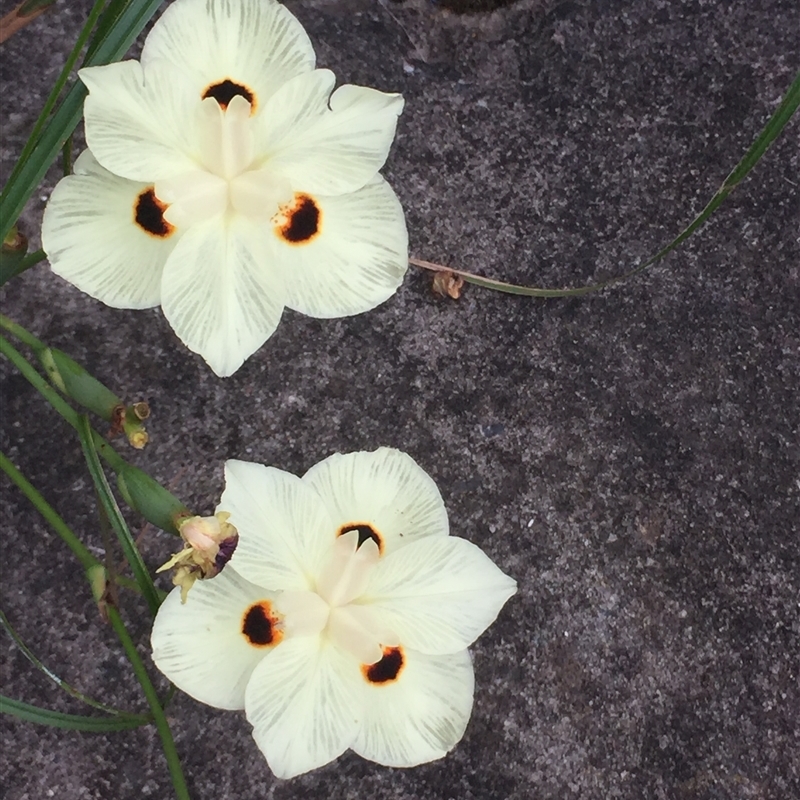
[632,458]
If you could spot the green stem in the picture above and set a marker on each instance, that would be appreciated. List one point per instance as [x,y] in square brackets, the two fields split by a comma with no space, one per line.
[61,82]
[46,510]
[61,528]
[66,157]
[112,458]
[141,492]
[63,685]
[18,332]
[114,517]
[160,719]
[776,123]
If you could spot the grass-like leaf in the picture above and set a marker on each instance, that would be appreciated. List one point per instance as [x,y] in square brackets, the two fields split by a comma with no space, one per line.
[44,148]
[776,123]
[159,718]
[32,6]
[62,684]
[126,473]
[11,266]
[55,92]
[42,385]
[109,507]
[72,722]
[79,550]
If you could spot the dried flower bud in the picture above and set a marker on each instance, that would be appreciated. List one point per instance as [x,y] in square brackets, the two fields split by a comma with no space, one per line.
[210,542]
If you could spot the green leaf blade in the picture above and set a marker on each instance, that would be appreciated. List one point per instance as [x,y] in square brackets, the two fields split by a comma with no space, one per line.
[115,518]
[41,151]
[72,722]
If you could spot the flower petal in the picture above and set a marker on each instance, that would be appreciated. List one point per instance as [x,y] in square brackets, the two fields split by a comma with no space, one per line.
[294,107]
[258,43]
[200,645]
[140,125]
[327,147]
[91,237]
[218,293]
[385,489]
[285,532]
[439,593]
[421,715]
[357,260]
[304,702]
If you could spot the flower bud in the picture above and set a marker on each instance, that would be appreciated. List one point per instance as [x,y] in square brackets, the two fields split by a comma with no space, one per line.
[75,382]
[145,495]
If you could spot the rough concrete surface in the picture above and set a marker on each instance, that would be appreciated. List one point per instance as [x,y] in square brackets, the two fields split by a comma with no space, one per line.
[632,458]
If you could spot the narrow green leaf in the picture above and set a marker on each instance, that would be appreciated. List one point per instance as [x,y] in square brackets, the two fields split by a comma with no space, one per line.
[66,157]
[72,722]
[11,263]
[31,169]
[15,266]
[105,27]
[115,518]
[50,103]
[112,458]
[776,123]
[79,550]
[62,684]
[159,718]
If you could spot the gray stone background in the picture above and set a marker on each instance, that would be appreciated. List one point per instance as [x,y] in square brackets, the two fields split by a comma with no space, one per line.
[631,458]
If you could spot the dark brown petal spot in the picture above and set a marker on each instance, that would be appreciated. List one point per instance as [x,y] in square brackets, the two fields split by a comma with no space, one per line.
[260,625]
[224,91]
[148,213]
[365,531]
[388,668]
[299,222]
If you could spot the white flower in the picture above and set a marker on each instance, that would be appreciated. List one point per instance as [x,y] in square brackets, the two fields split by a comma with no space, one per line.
[343,617]
[224,181]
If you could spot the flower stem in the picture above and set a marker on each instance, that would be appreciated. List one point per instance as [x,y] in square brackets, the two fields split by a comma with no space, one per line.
[78,548]
[160,719]
[141,492]
[50,131]
[51,516]
[24,335]
[776,123]
[110,509]
[112,458]
[70,690]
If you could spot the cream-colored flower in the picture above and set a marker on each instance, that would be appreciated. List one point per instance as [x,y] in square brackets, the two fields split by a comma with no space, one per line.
[225,179]
[343,618]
